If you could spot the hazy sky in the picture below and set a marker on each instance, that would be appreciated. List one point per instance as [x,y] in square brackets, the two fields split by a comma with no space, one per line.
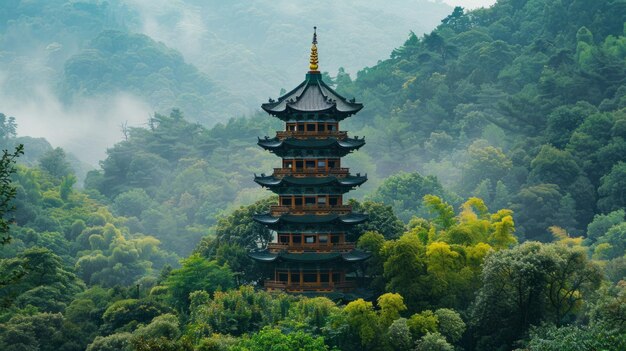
[470,4]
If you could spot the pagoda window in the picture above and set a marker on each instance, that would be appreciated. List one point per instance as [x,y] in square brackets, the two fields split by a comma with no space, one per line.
[283,239]
[333,163]
[332,127]
[295,278]
[299,164]
[334,239]
[291,126]
[300,127]
[321,164]
[309,239]
[321,200]
[336,277]
[283,277]
[309,201]
[321,127]
[288,164]
[310,277]
[285,201]
[333,201]
[310,127]
[298,201]
[310,164]
[297,239]
[323,238]
[323,277]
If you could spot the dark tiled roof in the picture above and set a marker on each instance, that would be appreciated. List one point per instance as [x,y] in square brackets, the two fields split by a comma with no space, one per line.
[352,218]
[311,143]
[349,181]
[312,95]
[352,256]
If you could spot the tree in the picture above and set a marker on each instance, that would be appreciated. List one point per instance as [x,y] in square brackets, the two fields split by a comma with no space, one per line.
[362,322]
[271,339]
[380,219]
[405,191]
[405,270]
[39,331]
[612,189]
[113,342]
[54,162]
[8,130]
[390,307]
[450,324]
[528,284]
[433,342]
[554,166]
[399,335]
[197,273]
[7,191]
[132,203]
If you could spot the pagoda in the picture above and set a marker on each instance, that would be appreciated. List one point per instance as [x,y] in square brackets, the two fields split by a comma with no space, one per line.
[310,252]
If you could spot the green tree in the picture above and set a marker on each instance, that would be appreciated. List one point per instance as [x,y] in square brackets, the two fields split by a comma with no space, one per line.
[612,190]
[7,191]
[405,191]
[528,284]
[54,162]
[269,339]
[197,273]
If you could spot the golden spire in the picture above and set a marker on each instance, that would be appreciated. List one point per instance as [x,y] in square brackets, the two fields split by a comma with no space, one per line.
[313,60]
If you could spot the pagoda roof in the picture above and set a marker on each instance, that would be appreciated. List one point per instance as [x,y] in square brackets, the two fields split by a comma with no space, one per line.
[355,255]
[348,144]
[348,181]
[352,218]
[312,95]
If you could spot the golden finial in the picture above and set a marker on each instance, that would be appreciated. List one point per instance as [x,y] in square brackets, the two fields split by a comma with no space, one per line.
[313,61]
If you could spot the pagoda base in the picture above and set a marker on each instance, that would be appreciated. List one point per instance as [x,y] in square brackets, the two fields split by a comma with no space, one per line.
[345,286]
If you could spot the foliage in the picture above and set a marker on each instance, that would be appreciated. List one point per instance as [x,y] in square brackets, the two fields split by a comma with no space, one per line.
[197,273]
[7,191]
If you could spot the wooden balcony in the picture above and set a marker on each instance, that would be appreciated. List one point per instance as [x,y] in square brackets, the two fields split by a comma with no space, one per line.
[317,247]
[296,287]
[301,172]
[303,134]
[277,210]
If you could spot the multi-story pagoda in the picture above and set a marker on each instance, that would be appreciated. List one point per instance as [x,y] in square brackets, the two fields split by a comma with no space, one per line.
[310,253]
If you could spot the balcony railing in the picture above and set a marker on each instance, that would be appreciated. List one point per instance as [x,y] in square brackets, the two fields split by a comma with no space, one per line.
[274,284]
[302,172]
[277,210]
[317,247]
[299,134]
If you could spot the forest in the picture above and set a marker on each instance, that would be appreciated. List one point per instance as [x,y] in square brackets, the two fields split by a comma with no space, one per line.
[496,157]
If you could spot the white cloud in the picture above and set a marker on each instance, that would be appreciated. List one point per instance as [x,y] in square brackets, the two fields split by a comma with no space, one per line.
[86,127]
[470,4]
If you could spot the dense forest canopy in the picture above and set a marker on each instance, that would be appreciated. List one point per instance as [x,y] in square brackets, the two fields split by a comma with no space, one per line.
[496,157]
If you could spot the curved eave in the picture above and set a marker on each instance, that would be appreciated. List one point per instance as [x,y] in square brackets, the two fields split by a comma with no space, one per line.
[274,144]
[350,257]
[263,255]
[352,218]
[331,111]
[271,181]
[356,256]
[312,96]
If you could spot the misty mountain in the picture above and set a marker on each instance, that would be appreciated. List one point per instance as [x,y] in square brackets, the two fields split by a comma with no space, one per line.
[253,47]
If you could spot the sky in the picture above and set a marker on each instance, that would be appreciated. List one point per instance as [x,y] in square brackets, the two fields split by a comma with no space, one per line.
[470,4]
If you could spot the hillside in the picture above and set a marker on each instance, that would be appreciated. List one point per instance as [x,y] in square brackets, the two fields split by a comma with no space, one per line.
[496,160]
[525,98]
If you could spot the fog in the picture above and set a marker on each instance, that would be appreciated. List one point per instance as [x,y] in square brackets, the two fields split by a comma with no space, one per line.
[470,4]
[251,50]
[85,127]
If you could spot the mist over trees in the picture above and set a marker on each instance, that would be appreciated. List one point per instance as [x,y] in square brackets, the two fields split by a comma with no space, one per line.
[496,159]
